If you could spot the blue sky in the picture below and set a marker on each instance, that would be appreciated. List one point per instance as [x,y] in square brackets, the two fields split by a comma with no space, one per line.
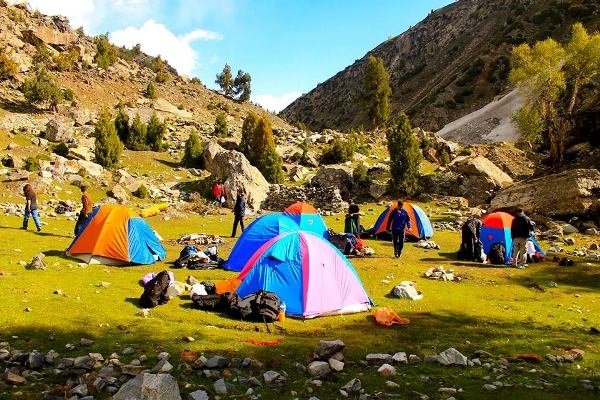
[288,47]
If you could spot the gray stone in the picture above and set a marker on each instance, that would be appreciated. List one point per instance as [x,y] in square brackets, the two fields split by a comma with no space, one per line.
[569,229]
[91,168]
[163,366]
[86,342]
[482,354]
[319,369]
[85,362]
[35,360]
[149,387]
[220,387]
[198,395]
[452,356]
[414,359]
[273,378]
[386,370]
[58,131]
[4,354]
[378,358]
[335,365]
[327,348]
[354,386]
[336,176]
[431,359]
[489,387]
[400,358]
[120,194]
[216,362]
[570,241]
[80,390]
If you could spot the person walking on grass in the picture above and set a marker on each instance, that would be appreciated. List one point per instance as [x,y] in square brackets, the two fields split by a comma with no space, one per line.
[30,207]
[520,231]
[239,211]
[86,209]
[398,221]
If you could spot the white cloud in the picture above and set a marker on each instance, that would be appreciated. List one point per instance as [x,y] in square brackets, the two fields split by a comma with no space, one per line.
[156,39]
[276,103]
[79,12]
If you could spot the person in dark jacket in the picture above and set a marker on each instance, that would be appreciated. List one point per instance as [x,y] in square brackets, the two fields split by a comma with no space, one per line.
[86,209]
[239,211]
[471,232]
[398,221]
[30,207]
[520,231]
[352,220]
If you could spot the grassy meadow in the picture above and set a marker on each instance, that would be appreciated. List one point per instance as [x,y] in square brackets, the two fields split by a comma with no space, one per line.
[504,311]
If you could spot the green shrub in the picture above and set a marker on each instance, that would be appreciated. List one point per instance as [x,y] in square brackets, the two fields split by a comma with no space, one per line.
[15,15]
[31,164]
[68,94]
[221,125]
[66,60]
[258,145]
[106,53]
[155,133]
[42,88]
[405,157]
[465,152]
[137,135]
[196,81]
[122,123]
[444,158]
[61,149]
[142,192]
[8,67]
[108,147]
[338,152]
[361,176]
[192,155]
[42,56]
[150,91]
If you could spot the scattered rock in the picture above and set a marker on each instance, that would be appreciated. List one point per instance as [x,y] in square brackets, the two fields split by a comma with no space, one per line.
[354,386]
[217,362]
[149,387]
[319,369]
[86,342]
[379,358]
[335,365]
[386,370]
[400,358]
[198,395]
[327,348]
[452,356]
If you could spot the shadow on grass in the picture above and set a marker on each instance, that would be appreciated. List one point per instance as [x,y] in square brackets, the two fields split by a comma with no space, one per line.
[580,275]
[59,254]
[170,164]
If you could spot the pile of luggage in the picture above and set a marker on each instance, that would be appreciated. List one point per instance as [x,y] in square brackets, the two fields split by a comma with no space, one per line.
[191,257]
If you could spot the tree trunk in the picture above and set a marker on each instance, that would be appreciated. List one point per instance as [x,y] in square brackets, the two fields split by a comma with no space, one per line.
[573,96]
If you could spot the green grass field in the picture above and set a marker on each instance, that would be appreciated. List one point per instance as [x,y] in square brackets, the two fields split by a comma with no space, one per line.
[494,309]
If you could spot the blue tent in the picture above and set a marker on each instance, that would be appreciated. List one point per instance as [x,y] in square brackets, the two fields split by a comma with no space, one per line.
[267,227]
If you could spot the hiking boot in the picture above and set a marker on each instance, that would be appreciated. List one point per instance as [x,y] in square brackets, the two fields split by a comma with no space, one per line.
[520,266]
[23,228]
[39,229]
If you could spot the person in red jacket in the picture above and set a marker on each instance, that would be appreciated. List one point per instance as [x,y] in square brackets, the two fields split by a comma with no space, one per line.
[217,191]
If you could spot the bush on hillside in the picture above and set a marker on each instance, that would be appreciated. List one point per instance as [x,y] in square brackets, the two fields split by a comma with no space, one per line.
[221,125]
[66,60]
[61,149]
[8,67]
[31,164]
[192,155]
[137,135]
[142,192]
[339,151]
[41,88]
[108,147]
[150,91]
[360,176]
[155,133]
[161,70]
[258,145]
[122,123]
[405,157]
[106,53]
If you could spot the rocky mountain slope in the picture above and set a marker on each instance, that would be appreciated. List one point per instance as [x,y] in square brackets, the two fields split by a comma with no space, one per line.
[179,98]
[450,64]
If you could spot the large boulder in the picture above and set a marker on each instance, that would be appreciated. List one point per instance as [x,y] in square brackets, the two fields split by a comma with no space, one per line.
[480,178]
[58,131]
[91,168]
[336,176]
[149,387]
[235,168]
[567,193]
[41,34]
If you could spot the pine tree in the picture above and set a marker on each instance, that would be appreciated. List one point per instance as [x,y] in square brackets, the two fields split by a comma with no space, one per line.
[221,125]
[122,123]
[192,156]
[106,53]
[405,157]
[137,135]
[225,80]
[150,92]
[155,133]
[108,148]
[258,145]
[161,70]
[241,85]
[377,92]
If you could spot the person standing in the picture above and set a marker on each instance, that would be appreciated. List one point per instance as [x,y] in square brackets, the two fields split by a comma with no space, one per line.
[398,221]
[222,193]
[471,233]
[352,220]
[520,231]
[86,209]
[239,211]
[30,207]
[217,191]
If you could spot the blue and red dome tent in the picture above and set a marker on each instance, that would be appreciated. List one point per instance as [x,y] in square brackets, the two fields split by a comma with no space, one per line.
[299,216]
[420,225]
[311,276]
[496,229]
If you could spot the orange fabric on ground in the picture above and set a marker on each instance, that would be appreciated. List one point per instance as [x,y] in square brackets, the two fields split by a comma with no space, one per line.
[387,317]
[265,343]
[227,285]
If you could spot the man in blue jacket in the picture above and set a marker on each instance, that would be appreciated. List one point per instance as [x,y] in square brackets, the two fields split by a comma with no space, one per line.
[239,211]
[398,221]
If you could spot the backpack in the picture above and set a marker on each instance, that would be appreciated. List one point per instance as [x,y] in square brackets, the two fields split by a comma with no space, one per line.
[259,306]
[497,254]
[155,291]
[210,302]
